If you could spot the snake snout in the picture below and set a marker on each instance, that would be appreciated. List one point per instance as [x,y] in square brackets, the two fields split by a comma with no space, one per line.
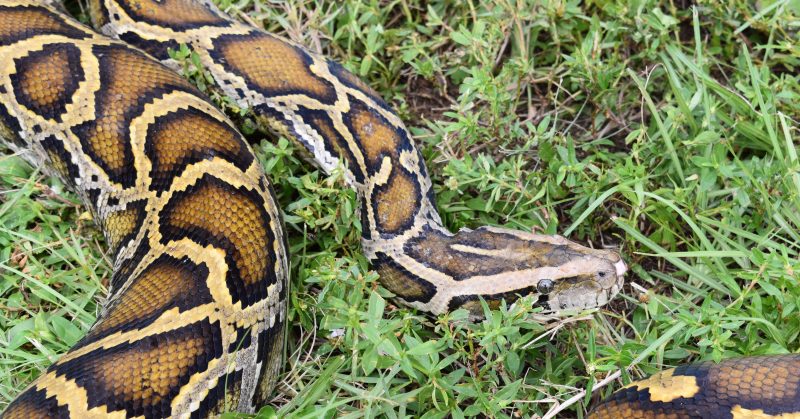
[589,281]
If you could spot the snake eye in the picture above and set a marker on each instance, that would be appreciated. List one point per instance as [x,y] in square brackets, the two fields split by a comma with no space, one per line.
[545,286]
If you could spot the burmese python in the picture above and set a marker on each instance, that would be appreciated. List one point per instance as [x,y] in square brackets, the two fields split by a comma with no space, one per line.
[197,301]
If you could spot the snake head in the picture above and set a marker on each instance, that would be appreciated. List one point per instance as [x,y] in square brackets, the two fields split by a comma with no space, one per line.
[498,264]
[581,277]
[564,274]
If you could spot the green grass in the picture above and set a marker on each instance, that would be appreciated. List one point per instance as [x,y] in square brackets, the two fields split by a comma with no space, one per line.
[667,131]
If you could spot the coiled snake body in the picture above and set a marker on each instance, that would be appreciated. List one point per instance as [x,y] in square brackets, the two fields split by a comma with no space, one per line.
[195,317]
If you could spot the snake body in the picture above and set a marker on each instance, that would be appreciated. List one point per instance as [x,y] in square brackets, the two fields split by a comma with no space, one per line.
[344,123]
[197,308]
[196,317]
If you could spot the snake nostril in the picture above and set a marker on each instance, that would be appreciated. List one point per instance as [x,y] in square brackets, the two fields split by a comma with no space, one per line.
[601,274]
[545,286]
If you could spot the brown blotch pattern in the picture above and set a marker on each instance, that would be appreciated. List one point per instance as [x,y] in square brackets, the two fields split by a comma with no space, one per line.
[322,124]
[472,302]
[335,144]
[475,308]
[143,377]
[58,163]
[128,266]
[60,160]
[397,282]
[223,397]
[231,219]
[271,66]
[188,136]
[375,136]
[98,13]
[770,384]
[9,127]
[23,22]
[433,248]
[35,404]
[129,80]
[270,344]
[401,282]
[122,225]
[396,203]
[45,80]
[167,283]
[175,14]
[159,49]
[354,82]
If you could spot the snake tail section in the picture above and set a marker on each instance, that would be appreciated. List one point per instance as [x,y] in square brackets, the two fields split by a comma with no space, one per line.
[197,307]
[757,387]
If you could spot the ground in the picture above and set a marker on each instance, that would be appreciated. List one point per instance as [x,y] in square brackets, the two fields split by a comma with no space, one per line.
[667,129]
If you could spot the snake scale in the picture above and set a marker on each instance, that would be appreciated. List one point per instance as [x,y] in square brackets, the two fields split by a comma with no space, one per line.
[195,317]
